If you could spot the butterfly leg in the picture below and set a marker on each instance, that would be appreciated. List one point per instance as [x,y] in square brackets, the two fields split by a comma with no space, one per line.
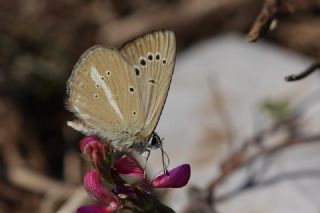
[148,152]
[165,167]
[156,142]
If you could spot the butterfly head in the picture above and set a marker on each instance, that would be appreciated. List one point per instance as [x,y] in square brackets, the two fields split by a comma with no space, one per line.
[155,142]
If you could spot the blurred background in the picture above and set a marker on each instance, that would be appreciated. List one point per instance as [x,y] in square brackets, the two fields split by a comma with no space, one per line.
[251,138]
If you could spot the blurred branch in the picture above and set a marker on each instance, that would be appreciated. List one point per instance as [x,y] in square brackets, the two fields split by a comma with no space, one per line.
[173,16]
[305,22]
[311,69]
[54,192]
[307,42]
[54,197]
[252,149]
[76,199]
[30,180]
[264,20]
[278,178]
[10,193]
[242,158]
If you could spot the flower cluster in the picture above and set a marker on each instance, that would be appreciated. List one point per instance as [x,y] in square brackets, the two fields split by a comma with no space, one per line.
[122,183]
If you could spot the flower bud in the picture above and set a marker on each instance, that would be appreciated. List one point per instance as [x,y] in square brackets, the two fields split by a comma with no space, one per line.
[93,186]
[128,166]
[98,153]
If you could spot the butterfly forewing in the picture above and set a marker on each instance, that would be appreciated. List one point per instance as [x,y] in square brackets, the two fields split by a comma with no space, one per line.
[104,93]
[153,57]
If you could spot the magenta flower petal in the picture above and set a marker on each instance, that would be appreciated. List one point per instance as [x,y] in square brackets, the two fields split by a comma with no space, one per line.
[95,209]
[94,187]
[98,154]
[91,143]
[178,177]
[129,166]
[87,140]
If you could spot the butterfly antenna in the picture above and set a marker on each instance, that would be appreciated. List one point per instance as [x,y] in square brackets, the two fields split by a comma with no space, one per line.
[164,164]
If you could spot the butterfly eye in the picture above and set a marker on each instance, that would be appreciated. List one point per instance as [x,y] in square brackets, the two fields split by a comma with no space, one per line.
[108,73]
[143,62]
[102,77]
[97,86]
[164,61]
[158,56]
[95,95]
[134,113]
[150,56]
[154,142]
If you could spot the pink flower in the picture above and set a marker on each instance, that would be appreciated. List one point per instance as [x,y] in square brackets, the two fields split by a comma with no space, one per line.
[98,153]
[119,176]
[177,177]
[128,166]
[87,140]
[91,144]
[93,186]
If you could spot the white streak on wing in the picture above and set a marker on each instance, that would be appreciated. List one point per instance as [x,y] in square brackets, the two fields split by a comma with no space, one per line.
[79,126]
[77,109]
[96,77]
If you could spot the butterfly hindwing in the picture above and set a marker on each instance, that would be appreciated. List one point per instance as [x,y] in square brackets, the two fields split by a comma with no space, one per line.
[104,93]
[153,58]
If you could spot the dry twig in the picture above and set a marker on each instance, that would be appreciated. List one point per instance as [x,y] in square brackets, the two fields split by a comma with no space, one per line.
[311,69]
[76,199]
[266,19]
[175,16]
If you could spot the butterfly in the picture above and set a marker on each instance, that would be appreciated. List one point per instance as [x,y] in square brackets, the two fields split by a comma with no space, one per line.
[119,94]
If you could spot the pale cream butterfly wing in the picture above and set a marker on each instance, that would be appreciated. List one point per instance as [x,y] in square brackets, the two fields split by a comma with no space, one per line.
[104,93]
[153,57]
